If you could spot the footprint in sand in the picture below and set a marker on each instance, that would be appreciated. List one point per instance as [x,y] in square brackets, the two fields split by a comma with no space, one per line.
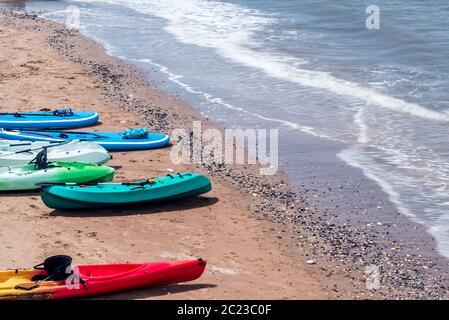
[36,61]
[32,70]
[92,235]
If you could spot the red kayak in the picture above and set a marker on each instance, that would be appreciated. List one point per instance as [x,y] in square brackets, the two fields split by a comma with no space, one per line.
[89,280]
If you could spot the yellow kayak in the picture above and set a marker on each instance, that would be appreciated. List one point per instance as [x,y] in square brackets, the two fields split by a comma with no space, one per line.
[17,284]
[56,278]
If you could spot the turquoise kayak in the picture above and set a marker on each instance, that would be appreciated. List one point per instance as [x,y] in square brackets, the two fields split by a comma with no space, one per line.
[78,196]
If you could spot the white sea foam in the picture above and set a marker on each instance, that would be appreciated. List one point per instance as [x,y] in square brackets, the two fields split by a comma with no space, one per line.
[393,184]
[353,158]
[219,101]
[360,121]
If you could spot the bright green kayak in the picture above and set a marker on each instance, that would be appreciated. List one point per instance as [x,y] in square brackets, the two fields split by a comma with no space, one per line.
[116,194]
[28,177]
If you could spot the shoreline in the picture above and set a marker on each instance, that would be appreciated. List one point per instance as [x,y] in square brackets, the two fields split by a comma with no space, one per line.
[214,226]
[299,233]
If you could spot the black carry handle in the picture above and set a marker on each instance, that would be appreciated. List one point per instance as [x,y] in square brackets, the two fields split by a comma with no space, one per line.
[27,287]
[68,184]
[20,144]
[136,183]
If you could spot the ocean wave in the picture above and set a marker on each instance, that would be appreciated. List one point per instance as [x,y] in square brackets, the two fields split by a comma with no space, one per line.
[231,31]
[432,189]
[175,78]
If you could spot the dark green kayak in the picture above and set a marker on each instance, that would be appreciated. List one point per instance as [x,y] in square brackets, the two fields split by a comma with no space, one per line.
[78,196]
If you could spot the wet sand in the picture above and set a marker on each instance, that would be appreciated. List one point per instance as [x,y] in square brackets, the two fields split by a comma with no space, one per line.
[261,238]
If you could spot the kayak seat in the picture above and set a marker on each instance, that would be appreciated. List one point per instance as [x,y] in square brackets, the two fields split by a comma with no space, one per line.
[57,268]
[40,161]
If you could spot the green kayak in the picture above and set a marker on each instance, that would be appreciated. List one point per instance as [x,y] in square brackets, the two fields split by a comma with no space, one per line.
[76,196]
[29,177]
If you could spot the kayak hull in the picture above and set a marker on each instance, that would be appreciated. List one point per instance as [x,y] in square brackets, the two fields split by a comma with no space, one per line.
[46,120]
[27,177]
[99,279]
[114,194]
[22,153]
[111,141]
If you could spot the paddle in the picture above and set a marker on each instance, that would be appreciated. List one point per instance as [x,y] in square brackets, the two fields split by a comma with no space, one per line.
[56,143]
[42,133]
[65,184]
[35,149]
[36,114]
[20,144]
[43,113]
[69,184]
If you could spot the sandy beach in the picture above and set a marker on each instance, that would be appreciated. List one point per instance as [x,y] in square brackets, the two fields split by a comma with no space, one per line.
[241,250]
[243,227]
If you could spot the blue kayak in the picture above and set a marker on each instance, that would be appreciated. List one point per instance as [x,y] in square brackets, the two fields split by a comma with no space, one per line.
[112,141]
[58,119]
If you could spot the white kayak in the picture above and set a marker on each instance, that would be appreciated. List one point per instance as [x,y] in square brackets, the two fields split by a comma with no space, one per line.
[17,153]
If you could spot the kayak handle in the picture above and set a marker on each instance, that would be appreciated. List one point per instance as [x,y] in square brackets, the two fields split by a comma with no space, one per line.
[26,287]
[136,188]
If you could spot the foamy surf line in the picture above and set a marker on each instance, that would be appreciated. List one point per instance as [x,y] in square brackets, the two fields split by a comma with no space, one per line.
[229,29]
[219,101]
[325,81]
[110,50]
[438,228]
